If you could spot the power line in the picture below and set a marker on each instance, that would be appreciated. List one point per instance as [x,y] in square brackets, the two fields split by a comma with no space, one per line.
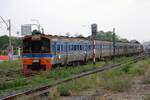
[8,26]
[2,22]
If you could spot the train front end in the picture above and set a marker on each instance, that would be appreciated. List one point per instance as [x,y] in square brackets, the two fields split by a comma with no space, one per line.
[36,54]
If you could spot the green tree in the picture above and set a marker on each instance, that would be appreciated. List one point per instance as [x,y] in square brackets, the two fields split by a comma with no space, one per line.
[4,42]
[106,36]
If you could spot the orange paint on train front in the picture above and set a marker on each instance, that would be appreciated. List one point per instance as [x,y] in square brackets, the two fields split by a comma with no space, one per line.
[45,64]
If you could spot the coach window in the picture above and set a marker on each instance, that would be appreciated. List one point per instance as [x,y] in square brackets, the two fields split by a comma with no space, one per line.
[61,47]
[80,47]
[71,47]
[53,48]
[74,47]
[89,47]
[58,47]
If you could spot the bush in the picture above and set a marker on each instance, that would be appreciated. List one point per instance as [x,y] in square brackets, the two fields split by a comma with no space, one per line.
[146,81]
[116,83]
[136,70]
[147,97]
[64,90]
[12,84]
[115,80]
[126,68]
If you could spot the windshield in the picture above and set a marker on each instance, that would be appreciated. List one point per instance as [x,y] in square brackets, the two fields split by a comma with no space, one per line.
[36,46]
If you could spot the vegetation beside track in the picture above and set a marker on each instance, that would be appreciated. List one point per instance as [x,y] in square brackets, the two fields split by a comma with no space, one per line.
[117,79]
[13,79]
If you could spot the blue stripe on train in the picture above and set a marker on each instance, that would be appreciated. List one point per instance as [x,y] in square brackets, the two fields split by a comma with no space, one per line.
[37,55]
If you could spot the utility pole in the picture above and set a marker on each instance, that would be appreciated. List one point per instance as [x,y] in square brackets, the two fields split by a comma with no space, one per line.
[114,42]
[9,29]
[8,25]
[10,48]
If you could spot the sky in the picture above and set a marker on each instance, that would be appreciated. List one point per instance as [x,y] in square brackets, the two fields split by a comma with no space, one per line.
[130,18]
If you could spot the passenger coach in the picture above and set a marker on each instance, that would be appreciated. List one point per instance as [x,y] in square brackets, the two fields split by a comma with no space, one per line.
[42,52]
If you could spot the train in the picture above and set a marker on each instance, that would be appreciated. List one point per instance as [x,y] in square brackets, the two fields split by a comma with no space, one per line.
[43,52]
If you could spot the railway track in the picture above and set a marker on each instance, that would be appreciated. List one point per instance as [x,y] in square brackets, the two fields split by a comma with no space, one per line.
[45,89]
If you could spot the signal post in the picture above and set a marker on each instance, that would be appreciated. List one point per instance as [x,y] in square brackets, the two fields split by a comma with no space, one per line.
[94,32]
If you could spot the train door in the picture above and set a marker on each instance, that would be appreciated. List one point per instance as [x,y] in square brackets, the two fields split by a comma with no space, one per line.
[100,50]
[58,49]
[66,53]
[54,51]
[110,53]
[54,48]
[85,51]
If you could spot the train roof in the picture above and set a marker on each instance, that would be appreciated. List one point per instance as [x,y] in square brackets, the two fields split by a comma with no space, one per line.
[66,38]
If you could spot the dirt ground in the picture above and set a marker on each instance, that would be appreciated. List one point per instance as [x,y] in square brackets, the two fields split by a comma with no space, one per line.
[138,91]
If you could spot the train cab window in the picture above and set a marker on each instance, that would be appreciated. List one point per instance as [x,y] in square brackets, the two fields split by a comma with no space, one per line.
[36,46]
[45,46]
[27,47]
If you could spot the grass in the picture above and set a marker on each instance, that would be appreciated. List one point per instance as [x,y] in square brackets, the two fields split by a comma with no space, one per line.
[10,65]
[113,80]
[118,79]
[15,83]
[146,81]
[147,97]
[10,70]
[13,79]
